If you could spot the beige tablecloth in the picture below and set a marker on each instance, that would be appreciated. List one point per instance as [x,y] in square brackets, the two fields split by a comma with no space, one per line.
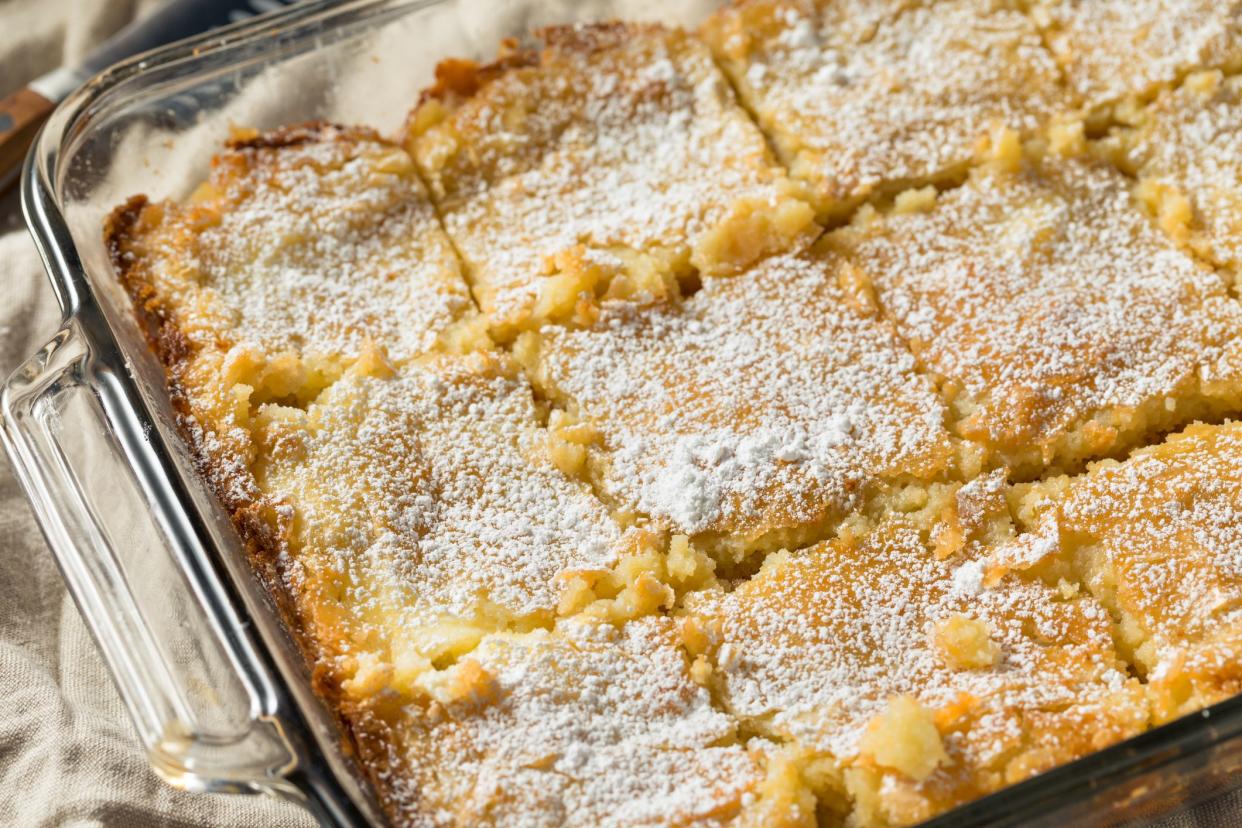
[68,755]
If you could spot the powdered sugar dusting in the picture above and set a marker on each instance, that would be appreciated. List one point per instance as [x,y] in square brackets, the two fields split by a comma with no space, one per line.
[859,93]
[1030,549]
[633,145]
[1191,141]
[591,726]
[1114,48]
[823,639]
[1048,296]
[324,245]
[429,488]
[763,403]
[1168,521]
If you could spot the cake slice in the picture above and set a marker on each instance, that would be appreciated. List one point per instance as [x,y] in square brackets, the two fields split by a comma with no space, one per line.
[420,509]
[612,162]
[1158,539]
[863,98]
[303,248]
[1186,150]
[587,725]
[1115,53]
[307,249]
[1060,323]
[751,416]
[908,680]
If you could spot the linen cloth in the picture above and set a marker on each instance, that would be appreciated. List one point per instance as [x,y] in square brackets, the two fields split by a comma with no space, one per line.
[68,754]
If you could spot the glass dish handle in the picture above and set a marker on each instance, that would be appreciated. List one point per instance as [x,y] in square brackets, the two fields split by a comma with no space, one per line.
[200,713]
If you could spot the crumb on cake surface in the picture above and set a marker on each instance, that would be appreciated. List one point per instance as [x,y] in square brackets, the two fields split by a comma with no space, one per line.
[861,97]
[613,162]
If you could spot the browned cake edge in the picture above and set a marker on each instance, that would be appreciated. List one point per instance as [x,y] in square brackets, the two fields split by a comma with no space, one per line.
[458,80]
[364,737]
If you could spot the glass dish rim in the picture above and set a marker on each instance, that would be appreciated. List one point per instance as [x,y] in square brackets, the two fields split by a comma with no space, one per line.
[44,203]
[331,796]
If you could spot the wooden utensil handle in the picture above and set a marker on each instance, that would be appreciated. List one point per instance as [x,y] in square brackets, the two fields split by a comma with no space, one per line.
[21,114]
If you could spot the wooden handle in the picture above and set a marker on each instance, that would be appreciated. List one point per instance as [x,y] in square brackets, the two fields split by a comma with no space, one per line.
[21,114]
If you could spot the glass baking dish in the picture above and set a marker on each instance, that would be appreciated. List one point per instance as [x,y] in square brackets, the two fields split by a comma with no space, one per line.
[219,693]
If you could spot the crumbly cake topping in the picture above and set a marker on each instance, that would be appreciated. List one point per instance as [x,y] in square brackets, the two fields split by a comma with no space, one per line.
[817,643]
[588,726]
[1189,146]
[1111,49]
[277,216]
[856,94]
[764,402]
[624,140]
[428,490]
[1167,521]
[1047,296]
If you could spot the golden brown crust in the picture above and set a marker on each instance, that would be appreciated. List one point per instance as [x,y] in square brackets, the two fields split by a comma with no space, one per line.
[595,37]
[161,331]
[262,535]
[261,541]
[294,135]
[457,79]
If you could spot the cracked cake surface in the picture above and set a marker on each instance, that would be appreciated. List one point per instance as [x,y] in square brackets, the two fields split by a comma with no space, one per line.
[790,421]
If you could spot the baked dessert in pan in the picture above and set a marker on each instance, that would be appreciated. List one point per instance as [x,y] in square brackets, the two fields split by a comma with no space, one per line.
[826,417]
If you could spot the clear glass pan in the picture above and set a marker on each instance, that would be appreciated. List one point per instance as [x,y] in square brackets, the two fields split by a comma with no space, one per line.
[219,693]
